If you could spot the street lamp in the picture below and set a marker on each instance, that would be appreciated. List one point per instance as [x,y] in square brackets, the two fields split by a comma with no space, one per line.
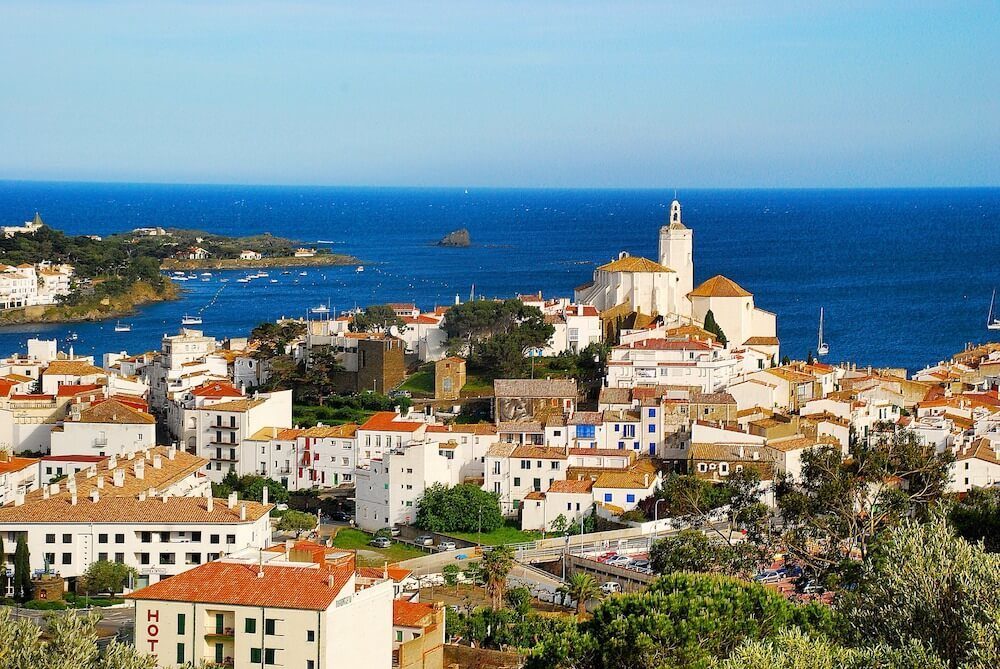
[656,518]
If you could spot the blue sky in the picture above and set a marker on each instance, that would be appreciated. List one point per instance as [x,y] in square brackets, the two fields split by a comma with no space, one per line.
[566,94]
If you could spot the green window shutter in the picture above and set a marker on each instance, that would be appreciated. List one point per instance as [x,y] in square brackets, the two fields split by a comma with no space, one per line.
[250,626]
[269,626]
[219,620]
[218,653]
[180,653]
[268,656]
[255,655]
[180,623]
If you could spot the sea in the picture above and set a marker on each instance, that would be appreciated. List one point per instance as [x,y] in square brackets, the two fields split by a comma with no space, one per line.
[904,276]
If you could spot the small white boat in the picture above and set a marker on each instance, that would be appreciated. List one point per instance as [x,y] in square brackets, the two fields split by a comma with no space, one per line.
[243,280]
[223,280]
[179,273]
[72,336]
[261,275]
[192,277]
[822,348]
[303,273]
[321,309]
[360,268]
[274,281]
[993,322]
[191,320]
[122,327]
[206,274]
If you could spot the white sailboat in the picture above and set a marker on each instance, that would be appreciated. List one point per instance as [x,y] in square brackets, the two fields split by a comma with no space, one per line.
[993,322]
[822,348]
[122,327]
[191,320]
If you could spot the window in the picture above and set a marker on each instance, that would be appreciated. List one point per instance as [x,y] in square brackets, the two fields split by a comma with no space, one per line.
[652,427]
[102,538]
[143,558]
[269,624]
[310,635]
[120,558]
[255,655]
[180,623]
[145,537]
[310,664]
[196,536]
[268,656]
[517,480]
[180,653]
[536,484]
[119,538]
[67,558]
[192,558]
[607,497]
[50,538]
[250,625]
[525,464]
[585,431]
[67,538]
[399,635]
[630,497]
[165,537]
[555,464]
[652,413]
[167,558]
[213,538]
[230,538]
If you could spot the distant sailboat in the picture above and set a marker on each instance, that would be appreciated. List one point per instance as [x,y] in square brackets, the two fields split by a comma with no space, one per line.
[821,348]
[191,320]
[993,322]
[122,327]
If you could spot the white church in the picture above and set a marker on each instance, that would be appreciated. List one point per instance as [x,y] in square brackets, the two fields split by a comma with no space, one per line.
[666,289]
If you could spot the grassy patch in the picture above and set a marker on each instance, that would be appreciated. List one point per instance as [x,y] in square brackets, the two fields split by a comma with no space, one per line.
[420,383]
[308,416]
[351,539]
[508,534]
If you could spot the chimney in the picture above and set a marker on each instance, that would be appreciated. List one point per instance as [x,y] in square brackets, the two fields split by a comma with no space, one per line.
[140,469]
[645,480]
[172,453]
[231,501]
[112,462]
[151,492]
[288,547]
[72,499]
[100,483]
[210,504]
[45,492]
[54,488]
[243,511]
[157,461]
[329,580]
[142,496]
[118,477]
[19,498]
[166,496]
[95,496]
[91,471]
[263,498]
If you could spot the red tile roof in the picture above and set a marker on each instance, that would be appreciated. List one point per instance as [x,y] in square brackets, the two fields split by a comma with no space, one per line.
[397,574]
[217,389]
[410,614]
[17,464]
[385,421]
[72,389]
[238,585]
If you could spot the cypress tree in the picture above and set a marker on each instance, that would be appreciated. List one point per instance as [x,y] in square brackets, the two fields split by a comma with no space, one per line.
[712,326]
[3,570]
[22,569]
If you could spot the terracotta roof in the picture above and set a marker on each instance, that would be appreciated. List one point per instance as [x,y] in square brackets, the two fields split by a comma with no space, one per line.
[535,494]
[538,453]
[72,368]
[75,458]
[634,264]
[235,406]
[666,345]
[604,452]
[586,418]
[981,449]
[71,389]
[554,388]
[712,398]
[385,421]
[236,584]
[790,375]
[762,341]
[719,286]
[640,479]
[500,450]
[420,320]
[615,396]
[411,614]
[217,389]
[16,464]
[327,431]
[59,509]
[798,442]
[397,574]
[581,486]
[113,411]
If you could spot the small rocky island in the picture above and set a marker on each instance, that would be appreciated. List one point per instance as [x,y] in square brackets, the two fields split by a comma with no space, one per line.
[458,238]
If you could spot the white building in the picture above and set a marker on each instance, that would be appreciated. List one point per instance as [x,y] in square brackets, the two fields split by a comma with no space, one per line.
[734,310]
[149,512]
[690,362]
[18,476]
[105,428]
[277,613]
[223,431]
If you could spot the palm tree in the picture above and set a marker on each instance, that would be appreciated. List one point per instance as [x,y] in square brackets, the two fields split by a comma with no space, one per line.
[582,587]
[496,565]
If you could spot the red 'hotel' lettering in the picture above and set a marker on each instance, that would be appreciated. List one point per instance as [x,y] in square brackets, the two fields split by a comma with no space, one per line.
[152,630]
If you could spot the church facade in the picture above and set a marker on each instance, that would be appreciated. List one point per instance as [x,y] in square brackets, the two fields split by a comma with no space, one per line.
[664,288]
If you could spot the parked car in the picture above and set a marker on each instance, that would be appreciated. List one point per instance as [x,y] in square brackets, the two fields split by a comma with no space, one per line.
[394,530]
[424,540]
[380,542]
[812,588]
[447,546]
[604,557]
[619,561]
[341,516]
[642,563]
[769,576]
[611,588]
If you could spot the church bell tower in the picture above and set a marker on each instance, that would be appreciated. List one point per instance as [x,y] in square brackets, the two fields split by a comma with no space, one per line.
[677,253]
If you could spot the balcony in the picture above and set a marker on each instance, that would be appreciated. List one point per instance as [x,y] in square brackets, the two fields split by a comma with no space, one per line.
[223,427]
[231,444]
[225,458]
[220,634]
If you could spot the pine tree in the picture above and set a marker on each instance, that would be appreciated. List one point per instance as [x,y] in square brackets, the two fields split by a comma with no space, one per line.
[22,569]
[712,326]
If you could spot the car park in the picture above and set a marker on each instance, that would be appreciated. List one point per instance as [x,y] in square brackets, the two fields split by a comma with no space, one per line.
[380,542]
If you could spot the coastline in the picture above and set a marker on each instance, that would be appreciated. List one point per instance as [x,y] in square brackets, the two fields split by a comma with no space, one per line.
[140,294]
[322,260]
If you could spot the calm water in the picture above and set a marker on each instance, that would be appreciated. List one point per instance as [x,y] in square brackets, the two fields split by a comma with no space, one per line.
[905,275]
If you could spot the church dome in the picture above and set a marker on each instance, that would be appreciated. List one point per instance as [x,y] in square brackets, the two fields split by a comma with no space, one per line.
[720,286]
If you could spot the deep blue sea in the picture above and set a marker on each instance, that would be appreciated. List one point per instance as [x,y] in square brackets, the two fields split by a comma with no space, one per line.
[905,276]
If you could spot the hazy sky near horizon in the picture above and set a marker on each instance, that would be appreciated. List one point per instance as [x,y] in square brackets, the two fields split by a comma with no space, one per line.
[502,93]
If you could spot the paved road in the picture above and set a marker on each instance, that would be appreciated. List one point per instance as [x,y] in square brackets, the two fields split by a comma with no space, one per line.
[112,619]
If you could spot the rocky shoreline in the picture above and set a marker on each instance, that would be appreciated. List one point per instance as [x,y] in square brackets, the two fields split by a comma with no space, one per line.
[140,294]
[320,260]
